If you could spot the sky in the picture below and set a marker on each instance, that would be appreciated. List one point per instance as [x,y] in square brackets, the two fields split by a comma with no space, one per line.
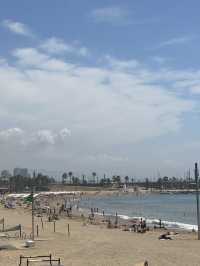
[105,86]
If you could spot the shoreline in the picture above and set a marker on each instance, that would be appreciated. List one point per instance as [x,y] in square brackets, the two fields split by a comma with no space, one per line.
[151,222]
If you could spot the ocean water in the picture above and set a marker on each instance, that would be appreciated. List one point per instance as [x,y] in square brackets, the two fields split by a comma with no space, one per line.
[175,210]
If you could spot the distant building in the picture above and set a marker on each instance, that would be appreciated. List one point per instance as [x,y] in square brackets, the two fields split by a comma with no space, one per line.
[21,171]
[5,175]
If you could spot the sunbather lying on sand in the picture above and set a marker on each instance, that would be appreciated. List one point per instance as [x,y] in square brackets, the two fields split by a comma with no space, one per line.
[165,236]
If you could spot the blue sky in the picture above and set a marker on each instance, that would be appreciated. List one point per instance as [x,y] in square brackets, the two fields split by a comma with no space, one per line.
[138,31]
[110,86]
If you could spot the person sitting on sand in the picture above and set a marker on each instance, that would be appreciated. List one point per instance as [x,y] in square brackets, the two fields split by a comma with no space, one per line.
[109,225]
[91,218]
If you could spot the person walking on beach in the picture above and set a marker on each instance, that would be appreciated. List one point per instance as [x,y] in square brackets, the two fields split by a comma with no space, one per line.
[160,223]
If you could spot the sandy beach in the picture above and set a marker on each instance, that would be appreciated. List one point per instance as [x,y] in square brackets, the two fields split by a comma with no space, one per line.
[97,245]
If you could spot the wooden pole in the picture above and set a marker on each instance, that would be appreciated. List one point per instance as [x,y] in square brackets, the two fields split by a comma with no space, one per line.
[116,218]
[37,230]
[54,226]
[68,230]
[3,224]
[196,172]
[42,224]
[20,230]
[32,211]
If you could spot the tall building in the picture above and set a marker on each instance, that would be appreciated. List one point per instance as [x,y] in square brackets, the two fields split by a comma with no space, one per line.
[5,175]
[21,171]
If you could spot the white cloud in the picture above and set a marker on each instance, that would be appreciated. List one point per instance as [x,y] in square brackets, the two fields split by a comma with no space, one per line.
[65,132]
[30,56]
[83,51]
[177,40]
[83,92]
[48,137]
[57,46]
[10,133]
[118,16]
[3,61]
[110,109]
[112,14]
[45,136]
[27,138]
[160,59]
[17,27]
[107,157]
[121,64]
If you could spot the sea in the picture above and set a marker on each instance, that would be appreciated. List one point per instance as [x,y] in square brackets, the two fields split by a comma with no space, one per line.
[176,211]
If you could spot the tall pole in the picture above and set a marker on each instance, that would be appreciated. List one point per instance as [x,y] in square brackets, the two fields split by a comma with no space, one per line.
[189,174]
[32,211]
[196,172]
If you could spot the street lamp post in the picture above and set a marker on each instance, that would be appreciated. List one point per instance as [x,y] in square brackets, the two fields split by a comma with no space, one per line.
[32,211]
[196,173]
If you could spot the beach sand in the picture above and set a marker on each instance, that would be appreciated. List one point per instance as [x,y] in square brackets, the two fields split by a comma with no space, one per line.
[98,245]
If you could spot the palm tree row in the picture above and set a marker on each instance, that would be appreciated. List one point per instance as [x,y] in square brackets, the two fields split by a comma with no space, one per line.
[69,178]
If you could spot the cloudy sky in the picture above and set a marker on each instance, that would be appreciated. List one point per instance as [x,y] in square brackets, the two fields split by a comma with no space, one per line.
[105,86]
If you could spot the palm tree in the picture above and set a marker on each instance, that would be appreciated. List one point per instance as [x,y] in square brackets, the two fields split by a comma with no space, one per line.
[84,181]
[147,183]
[64,178]
[126,179]
[70,176]
[118,179]
[94,175]
[132,181]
